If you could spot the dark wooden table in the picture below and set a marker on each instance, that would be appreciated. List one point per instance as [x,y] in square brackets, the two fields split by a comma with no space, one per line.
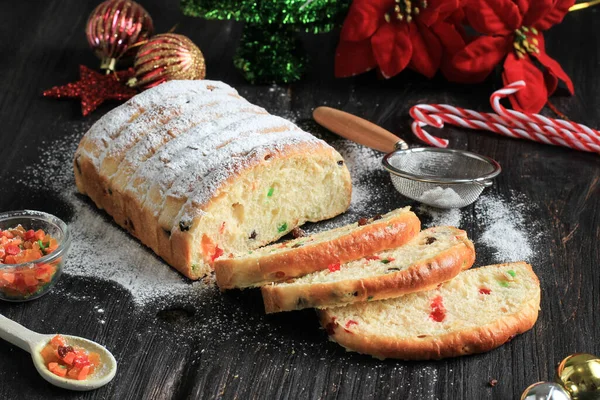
[223,346]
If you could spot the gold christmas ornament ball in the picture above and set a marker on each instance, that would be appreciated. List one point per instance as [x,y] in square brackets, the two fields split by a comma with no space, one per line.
[580,375]
[545,391]
[166,57]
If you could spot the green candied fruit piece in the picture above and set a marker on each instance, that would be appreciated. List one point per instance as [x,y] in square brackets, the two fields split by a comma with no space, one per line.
[195,267]
[282,228]
[503,283]
[270,193]
[385,261]
[369,298]
[511,273]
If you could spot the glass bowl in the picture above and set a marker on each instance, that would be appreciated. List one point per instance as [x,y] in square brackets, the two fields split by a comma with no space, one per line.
[32,279]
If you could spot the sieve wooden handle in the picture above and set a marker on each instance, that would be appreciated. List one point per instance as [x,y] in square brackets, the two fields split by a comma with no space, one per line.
[356,129]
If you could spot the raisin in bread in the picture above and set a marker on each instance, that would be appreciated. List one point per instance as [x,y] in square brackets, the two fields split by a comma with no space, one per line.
[194,171]
[304,255]
[433,256]
[475,312]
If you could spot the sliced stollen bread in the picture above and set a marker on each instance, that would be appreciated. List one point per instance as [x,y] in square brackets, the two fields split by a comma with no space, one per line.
[301,256]
[475,312]
[433,256]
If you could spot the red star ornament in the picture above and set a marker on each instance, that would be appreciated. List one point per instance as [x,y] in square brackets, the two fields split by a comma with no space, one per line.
[93,88]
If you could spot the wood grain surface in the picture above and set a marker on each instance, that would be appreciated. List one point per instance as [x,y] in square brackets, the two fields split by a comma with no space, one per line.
[223,346]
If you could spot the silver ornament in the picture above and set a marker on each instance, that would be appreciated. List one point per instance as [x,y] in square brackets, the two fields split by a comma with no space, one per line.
[545,391]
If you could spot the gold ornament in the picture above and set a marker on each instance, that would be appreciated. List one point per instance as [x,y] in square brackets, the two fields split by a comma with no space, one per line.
[580,375]
[166,57]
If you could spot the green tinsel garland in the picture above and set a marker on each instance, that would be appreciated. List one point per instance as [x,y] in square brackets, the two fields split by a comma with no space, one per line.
[269,50]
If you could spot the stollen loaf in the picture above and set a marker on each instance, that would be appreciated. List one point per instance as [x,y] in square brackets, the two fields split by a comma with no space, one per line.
[194,171]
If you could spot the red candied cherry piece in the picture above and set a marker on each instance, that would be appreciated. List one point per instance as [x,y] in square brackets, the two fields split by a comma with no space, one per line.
[218,253]
[350,323]
[12,250]
[438,311]
[334,267]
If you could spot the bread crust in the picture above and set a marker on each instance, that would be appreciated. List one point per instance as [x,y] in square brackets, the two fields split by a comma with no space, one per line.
[376,236]
[179,249]
[469,341]
[420,276]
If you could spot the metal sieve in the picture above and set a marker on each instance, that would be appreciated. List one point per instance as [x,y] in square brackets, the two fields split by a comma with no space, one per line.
[442,178]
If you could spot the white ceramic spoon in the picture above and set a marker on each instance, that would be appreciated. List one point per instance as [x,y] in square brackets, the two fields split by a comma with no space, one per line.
[33,343]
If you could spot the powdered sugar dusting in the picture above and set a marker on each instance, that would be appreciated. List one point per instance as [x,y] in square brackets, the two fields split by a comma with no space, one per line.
[114,121]
[505,231]
[362,162]
[237,140]
[440,217]
[440,197]
[180,154]
[128,263]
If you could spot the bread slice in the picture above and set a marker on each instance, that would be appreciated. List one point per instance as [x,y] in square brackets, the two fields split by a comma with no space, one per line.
[434,256]
[477,311]
[304,255]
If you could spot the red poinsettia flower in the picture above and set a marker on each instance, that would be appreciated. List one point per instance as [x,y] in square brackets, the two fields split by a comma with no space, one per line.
[393,35]
[512,30]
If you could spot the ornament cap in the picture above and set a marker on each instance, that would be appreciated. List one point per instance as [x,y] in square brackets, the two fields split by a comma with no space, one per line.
[109,64]
[132,82]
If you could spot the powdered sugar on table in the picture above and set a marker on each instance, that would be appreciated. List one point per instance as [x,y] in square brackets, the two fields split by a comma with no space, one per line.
[505,231]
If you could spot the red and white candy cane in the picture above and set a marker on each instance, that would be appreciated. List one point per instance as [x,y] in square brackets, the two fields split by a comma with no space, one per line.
[505,122]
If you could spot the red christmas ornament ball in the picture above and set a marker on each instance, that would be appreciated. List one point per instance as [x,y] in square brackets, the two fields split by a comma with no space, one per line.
[167,57]
[114,27]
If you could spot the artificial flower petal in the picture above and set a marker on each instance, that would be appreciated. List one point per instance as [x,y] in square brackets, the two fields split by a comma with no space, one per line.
[552,65]
[551,81]
[363,19]
[352,58]
[452,42]
[532,97]
[536,10]
[475,62]
[437,10]
[427,50]
[392,48]
[523,6]
[554,16]
[457,17]
[493,17]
